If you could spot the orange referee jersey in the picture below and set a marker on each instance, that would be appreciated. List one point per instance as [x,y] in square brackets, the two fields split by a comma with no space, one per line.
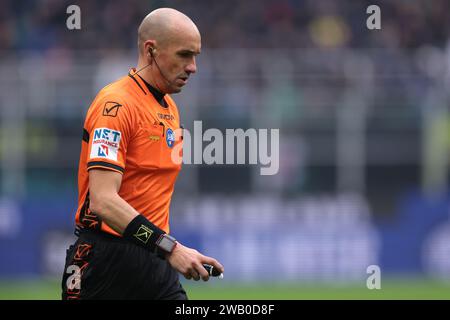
[126,130]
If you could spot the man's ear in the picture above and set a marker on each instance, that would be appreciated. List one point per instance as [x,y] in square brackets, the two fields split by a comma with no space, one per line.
[149,44]
[149,50]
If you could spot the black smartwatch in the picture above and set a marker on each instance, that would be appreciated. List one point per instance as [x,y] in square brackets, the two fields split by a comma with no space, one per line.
[166,243]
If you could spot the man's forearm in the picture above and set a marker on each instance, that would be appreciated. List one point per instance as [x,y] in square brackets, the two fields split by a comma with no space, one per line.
[114,210]
[124,219]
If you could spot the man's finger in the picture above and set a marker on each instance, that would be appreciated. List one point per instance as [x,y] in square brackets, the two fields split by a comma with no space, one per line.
[195,275]
[202,271]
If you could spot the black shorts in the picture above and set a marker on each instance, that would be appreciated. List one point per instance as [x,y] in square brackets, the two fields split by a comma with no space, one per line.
[102,266]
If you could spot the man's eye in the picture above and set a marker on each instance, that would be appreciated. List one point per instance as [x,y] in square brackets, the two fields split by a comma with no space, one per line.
[185,54]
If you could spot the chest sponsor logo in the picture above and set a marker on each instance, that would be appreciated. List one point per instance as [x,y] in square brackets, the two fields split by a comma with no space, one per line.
[154,138]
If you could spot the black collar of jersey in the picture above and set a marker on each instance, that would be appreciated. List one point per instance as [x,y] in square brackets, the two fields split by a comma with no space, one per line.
[159,96]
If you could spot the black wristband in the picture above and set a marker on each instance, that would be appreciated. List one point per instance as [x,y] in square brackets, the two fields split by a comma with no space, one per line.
[143,232]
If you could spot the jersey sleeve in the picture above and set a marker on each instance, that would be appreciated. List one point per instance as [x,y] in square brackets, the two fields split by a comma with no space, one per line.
[109,127]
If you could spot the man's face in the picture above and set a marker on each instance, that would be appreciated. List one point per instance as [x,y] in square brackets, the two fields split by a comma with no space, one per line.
[176,62]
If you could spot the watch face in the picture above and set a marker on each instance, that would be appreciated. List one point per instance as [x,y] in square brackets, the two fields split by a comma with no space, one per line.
[167,243]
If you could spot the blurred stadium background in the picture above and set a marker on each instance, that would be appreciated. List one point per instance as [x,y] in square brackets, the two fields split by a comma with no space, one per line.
[364,142]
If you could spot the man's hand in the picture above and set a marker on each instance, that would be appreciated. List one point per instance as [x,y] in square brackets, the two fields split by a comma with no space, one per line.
[189,262]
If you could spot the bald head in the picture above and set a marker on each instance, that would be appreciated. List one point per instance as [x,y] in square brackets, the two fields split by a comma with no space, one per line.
[164,26]
[168,44]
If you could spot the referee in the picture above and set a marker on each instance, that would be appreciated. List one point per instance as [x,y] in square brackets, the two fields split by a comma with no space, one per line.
[126,176]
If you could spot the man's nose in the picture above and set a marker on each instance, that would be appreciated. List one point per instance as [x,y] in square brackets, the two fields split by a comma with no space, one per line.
[191,67]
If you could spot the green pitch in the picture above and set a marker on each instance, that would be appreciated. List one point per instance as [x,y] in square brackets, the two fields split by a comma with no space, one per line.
[392,289]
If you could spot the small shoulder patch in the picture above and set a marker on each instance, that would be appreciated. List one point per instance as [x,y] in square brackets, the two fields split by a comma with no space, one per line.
[111,109]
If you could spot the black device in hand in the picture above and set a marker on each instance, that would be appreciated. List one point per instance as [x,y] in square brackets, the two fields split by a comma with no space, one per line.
[212,271]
